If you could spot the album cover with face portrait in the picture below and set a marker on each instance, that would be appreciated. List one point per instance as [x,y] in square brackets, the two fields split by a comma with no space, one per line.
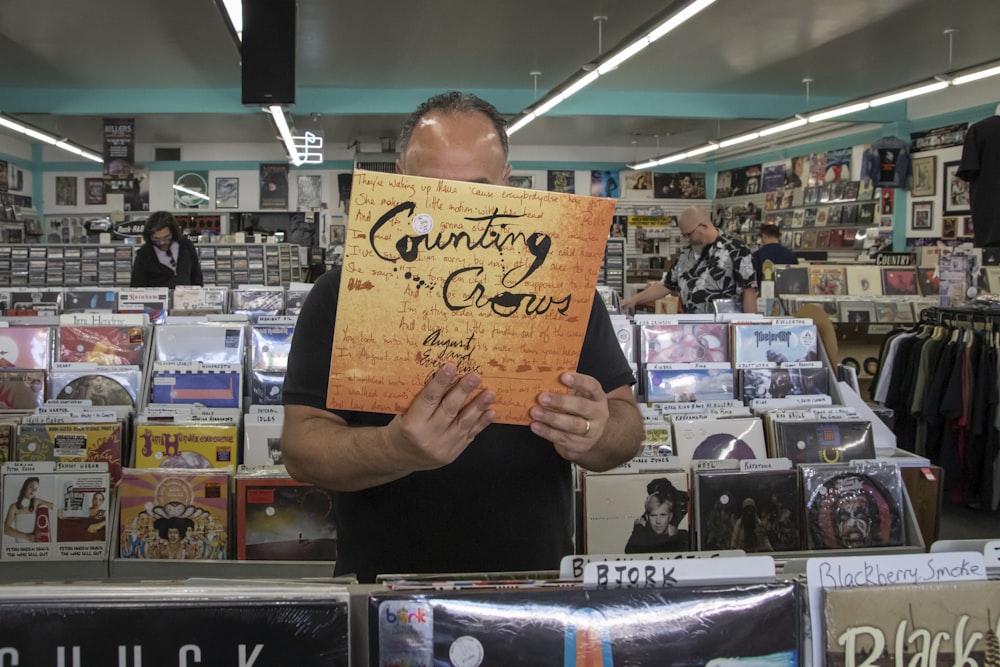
[636,512]
[756,511]
[861,624]
[899,282]
[262,439]
[710,626]
[816,441]
[683,343]
[279,518]
[851,506]
[864,280]
[174,514]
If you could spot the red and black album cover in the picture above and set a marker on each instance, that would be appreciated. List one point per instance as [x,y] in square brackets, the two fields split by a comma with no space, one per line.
[279,518]
[756,511]
[814,441]
[871,625]
[103,345]
[850,506]
[238,628]
[683,627]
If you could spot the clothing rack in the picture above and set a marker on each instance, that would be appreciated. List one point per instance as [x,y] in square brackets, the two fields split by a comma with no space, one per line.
[971,314]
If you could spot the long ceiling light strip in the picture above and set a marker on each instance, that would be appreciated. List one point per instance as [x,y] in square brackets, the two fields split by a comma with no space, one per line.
[798,121]
[51,139]
[278,114]
[629,47]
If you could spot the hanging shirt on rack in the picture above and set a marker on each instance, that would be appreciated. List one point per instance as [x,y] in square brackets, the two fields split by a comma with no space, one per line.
[980,166]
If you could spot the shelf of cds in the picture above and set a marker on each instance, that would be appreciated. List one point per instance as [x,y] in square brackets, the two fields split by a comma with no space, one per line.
[66,265]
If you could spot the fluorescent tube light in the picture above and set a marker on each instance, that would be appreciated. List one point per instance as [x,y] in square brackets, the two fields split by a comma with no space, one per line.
[738,140]
[234,8]
[66,146]
[672,158]
[784,127]
[521,122]
[643,165]
[278,114]
[702,149]
[976,76]
[193,193]
[618,58]
[678,18]
[839,111]
[41,136]
[58,142]
[906,94]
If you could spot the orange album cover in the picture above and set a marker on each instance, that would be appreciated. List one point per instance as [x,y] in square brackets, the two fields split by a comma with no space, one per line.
[498,280]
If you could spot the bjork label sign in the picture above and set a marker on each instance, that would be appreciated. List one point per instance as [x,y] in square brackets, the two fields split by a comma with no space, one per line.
[499,281]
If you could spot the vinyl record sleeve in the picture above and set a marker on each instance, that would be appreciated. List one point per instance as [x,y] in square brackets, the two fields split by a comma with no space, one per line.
[211,389]
[257,302]
[284,519]
[729,503]
[261,442]
[227,627]
[269,346]
[21,389]
[818,441]
[673,343]
[208,343]
[72,442]
[677,385]
[108,385]
[851,506]
[773,344]
[862,624]
[267,387]
[636,512]
[25,347]
[103,345]
[187,446]
[703,626]
[783,382]
[740,438]
[174,514]
[82,300]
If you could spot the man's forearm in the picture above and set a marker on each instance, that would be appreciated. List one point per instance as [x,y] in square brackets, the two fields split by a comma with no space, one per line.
[750,300]
[318,448]
[621,439]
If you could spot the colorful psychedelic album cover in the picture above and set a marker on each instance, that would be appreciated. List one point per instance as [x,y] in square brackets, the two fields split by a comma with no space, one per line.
[851,506]
[185,445]
[756,511]
[103,345]
[679,343]
[174,514]
[636,513]
[100,442]
[25,347]
[872,625]
[698,626]
[823,441]
[279,518]
[773,344]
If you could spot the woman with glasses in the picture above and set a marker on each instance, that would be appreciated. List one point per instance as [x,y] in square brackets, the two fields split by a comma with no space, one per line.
[167,258]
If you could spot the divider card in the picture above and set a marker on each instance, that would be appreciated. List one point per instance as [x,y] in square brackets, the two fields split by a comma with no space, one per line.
[889,570]
[499,281]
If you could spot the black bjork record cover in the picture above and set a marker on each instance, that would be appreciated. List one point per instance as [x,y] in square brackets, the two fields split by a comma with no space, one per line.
[158,632]
[943,623]
[703,626]
[755,511]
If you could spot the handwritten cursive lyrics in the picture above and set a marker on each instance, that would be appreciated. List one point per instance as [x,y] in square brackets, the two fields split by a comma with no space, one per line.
[497,280]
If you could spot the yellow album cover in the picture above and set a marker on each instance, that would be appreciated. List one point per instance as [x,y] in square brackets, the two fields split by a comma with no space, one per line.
[190,446]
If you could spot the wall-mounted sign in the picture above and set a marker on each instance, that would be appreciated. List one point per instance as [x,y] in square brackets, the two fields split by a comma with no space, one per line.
[309,147]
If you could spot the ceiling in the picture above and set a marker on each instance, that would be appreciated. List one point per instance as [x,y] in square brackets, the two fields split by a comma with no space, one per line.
[361,66]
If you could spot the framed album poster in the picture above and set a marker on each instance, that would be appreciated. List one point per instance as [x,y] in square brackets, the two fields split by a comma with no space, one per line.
[93,189]
[227,192]
[956,190]
[922,218]
[924,176]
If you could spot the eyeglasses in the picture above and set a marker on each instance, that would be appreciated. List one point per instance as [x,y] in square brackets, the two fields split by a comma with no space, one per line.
[687,235]
[162,239]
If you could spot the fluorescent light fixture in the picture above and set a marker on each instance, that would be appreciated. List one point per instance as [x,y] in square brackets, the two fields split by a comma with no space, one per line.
[672,158]
[784,127]
[976,76]
[643,165]
[906,94]
[234,8]
[726,143]
[839,111]
[708,148]
[278,113]
[521,122]
[678,18]
[193,193]
[51,139]
[618,58]
[560,96]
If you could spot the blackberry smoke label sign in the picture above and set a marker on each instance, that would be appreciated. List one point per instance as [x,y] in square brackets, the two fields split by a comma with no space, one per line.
[499,281]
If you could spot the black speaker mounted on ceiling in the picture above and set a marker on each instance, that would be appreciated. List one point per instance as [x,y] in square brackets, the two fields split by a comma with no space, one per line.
[268,52]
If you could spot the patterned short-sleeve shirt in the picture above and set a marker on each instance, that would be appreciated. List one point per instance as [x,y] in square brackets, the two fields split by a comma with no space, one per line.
[723,270]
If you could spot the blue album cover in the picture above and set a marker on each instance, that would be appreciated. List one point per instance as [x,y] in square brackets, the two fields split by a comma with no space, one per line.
[213,390]
[266,387]
[688,385]
[774,344]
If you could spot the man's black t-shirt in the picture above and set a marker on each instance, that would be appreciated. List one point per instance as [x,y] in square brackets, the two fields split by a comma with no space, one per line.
[506,504]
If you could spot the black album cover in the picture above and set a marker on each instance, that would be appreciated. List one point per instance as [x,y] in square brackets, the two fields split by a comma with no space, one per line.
[701,625]
[783,382]
[756,511]
[814,441]
[853,506]
[791,280]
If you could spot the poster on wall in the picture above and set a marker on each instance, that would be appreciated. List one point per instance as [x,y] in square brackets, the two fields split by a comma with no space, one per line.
[838,165]
[637,184]
[939,137]
[774,176]
[604,184]
[93,189]
[683,185]
[562,180]
[273,186]
[227,192]
[521,181]
[119,154]
[956,190]
[191,189]
[310,192]
[65,190]
[4,168]
[137,199]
